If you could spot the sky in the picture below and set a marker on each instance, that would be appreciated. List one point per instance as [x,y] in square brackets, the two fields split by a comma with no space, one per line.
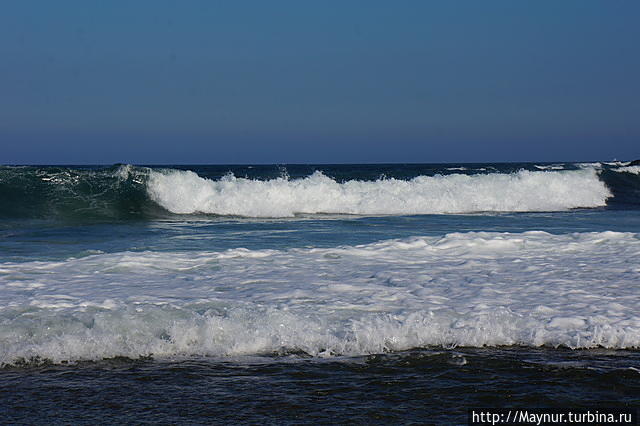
[247,81]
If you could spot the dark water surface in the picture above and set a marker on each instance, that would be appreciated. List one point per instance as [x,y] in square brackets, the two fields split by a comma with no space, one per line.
[420,386]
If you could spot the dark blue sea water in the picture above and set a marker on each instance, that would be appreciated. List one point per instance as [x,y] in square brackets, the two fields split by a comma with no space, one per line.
[291,294]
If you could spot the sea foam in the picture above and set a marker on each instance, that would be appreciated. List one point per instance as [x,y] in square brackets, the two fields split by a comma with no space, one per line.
[628,169]
[184,192]
[462,289]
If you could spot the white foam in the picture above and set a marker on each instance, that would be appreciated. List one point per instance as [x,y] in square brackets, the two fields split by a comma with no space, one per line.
[185,192]
[469,289]
[593,166]
[628,169]
[617,163]
[550,167]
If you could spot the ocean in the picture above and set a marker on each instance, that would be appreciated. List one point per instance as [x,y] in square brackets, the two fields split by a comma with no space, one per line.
[300,294]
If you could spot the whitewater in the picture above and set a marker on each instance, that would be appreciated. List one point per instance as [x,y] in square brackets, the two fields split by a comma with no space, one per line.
[126,192]
[462,289]
[185,192]
[333,261]
[382,293]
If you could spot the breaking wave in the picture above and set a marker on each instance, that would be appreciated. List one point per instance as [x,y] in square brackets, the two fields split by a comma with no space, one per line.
[185,192]
[165,332]
[129,192]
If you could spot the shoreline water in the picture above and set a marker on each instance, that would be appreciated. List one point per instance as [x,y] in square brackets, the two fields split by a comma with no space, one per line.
[420,386]
[383,315]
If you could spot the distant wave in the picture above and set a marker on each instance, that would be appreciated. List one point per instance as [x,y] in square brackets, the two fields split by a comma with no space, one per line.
[550,167]
[628,169]
[185,192]
[128,192]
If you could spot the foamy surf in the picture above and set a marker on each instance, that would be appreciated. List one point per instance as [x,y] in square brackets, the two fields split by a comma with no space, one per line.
[635,170]
[167,332]
[184,192]
[463,289]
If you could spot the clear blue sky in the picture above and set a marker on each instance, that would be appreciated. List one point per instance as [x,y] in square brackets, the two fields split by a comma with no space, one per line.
[153,81]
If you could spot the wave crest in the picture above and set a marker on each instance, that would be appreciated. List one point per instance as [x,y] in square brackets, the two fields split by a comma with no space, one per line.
[184,192]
